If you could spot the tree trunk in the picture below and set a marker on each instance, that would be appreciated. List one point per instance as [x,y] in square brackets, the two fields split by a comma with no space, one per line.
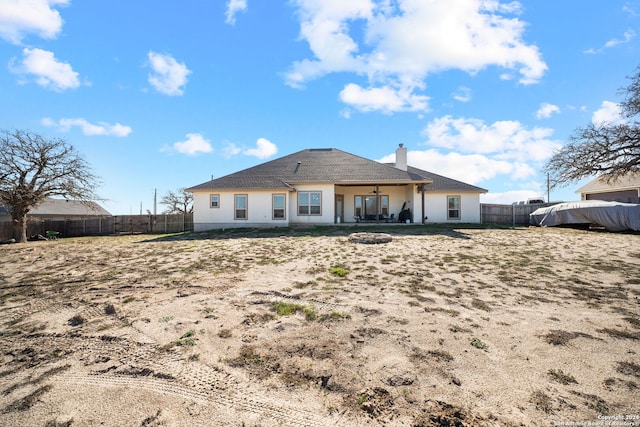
[20,228]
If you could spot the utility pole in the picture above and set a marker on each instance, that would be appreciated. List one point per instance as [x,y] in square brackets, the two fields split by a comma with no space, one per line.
[155,201]
[548,188]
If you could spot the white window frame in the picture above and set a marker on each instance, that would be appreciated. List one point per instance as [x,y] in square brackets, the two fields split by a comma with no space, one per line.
[458,210]
[211,205]
[309,205]
[236,209]
[283,208]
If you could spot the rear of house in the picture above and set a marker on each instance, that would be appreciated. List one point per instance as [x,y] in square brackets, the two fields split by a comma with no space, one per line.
[329,186]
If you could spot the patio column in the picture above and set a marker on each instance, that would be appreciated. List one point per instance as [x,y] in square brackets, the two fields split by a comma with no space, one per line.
[377,203]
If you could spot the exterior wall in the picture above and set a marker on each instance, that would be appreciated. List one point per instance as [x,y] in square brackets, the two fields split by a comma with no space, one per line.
[624,196]
[259,210]
[436,208]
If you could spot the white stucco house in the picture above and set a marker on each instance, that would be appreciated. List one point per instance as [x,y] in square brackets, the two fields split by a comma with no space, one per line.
[328,186]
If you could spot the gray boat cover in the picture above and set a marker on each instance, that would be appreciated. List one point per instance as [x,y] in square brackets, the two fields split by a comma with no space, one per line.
[613,216]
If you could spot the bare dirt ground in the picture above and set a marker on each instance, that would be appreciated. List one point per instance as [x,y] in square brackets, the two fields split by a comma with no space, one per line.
[453,327]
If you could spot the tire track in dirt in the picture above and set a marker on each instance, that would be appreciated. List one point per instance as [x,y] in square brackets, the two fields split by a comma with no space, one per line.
[114,361]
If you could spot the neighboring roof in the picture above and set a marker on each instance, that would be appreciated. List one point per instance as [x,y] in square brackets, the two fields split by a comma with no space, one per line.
[599,185]
[62,207]
[319,165]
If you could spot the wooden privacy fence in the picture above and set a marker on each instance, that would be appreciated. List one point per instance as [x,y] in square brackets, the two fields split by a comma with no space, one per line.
[120,224]
[508,214]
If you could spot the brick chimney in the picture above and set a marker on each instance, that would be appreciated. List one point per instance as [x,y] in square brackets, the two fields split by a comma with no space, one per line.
[401,157]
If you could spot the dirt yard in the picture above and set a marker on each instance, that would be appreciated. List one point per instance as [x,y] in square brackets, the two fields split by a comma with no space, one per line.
[440,327]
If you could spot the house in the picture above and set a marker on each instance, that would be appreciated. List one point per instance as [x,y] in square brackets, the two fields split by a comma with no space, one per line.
[329,186]
[625,189]
[60,209]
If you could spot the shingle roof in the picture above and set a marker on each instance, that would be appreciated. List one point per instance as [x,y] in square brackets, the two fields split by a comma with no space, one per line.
[599,184]
[320,165]
[61,207]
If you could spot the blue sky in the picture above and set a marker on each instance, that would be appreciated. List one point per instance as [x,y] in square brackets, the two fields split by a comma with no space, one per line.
[166,94]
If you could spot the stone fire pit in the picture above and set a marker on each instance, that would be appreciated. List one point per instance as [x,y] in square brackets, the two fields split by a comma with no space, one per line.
[370,238]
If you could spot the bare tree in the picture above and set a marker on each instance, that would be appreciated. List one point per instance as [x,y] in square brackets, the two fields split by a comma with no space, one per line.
[33,168]
[180,202]
[607,149]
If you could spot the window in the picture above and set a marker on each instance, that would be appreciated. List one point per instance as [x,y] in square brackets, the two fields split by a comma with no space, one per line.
[368,206]
[453,207]
[215,201]
[240,206]
[309,203]
[279,201]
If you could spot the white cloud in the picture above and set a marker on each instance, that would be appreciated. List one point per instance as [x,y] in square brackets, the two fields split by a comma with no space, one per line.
[506,140]
[508,197]
[194,144]
[89,129]
[546,110]
[471,151]
[233,7]
[385,99]
[404,41]
[47,71]
[628,36]
[21,17]
[463,94]
[609,112]
[469,168]
[168,76]
[230,149]
[263,150]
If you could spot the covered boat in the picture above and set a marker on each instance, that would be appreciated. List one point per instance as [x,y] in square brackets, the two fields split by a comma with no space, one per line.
[613,216]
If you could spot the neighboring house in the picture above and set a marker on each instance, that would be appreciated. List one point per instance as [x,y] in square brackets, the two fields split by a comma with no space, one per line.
[327,186]
[60,209]
[625,189]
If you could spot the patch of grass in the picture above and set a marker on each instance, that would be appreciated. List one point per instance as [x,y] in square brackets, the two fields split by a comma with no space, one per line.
[635,321]
[542,401]
[246,357]
[451,312]
[28,401]
[208,313]
[561,377]
[480,305]
[288,309]
[335,315]
[477,343]
[339,271]
[225,333]
[617,333]
[593,402]
[440,355]
[187,339]
[76,320]
[628,368]
[110,310]
[165,319]
[559,337]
